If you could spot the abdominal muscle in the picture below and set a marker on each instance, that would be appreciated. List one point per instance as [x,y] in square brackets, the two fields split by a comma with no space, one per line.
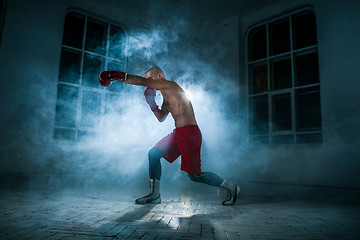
[184,119]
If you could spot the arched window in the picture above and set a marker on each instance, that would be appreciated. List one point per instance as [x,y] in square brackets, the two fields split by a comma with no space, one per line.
[283,80]
[89,46]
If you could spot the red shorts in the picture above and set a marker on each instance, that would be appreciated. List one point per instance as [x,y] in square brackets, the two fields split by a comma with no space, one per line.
[184,141]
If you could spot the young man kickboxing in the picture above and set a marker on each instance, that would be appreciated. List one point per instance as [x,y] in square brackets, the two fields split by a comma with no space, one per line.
[184,141]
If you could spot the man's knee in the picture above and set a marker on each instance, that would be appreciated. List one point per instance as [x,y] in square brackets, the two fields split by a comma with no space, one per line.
[194,177]
[151,153]
[155,154]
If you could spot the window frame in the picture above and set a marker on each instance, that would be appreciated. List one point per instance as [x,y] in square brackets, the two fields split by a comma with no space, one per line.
[81,88]
[269,60]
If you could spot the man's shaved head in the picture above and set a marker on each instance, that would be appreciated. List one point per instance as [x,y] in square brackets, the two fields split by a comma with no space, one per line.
[154,71]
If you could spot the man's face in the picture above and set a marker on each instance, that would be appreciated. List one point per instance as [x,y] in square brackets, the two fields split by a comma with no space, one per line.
[152,75]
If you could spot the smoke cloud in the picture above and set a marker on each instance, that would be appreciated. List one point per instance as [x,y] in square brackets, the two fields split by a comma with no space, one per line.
[116,151]
[202,59]
[126,136]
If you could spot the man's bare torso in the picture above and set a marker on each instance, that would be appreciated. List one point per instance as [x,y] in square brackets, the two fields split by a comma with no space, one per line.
[179,105]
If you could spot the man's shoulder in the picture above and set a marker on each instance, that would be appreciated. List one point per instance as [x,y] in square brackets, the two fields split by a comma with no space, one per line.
[170,84]
[174,86]
[162,84]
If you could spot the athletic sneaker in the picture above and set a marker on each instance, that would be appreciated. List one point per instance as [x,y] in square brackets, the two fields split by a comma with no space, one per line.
[233,191]
[154,194]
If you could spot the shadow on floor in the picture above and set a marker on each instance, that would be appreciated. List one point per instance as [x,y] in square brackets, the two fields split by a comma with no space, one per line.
[163,221]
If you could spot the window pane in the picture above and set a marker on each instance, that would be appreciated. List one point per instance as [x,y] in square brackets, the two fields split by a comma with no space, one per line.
[90,109]
[307,70]
[259,82]
[2,17]
[308,109]
[257,43]
[259,140]
[92,68]
[64,134]
[116,65]
[281,112]
[117,43]
[280,37]
[304,30]
[74,30]
[281,74]
[259,114]
[282,139]
[309,138]
[82,135]
[67,97]
[70,66]
[96,37]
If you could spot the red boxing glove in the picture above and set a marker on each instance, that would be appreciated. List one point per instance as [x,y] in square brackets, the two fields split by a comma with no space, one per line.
[107,77]
[150,98]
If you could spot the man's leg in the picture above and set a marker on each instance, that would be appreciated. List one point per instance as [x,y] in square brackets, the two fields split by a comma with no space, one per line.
[212,179]
[208,178]
[155,174]
[154,163]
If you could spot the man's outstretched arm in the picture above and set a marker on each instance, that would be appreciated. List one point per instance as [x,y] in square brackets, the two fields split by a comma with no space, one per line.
[107,77]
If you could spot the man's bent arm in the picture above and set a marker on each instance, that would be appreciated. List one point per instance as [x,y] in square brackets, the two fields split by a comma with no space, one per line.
[162,113]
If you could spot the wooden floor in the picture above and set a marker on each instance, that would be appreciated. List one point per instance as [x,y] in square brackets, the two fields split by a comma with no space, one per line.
[113,215]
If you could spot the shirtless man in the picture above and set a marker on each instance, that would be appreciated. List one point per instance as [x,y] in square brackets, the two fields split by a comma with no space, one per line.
[185,140]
